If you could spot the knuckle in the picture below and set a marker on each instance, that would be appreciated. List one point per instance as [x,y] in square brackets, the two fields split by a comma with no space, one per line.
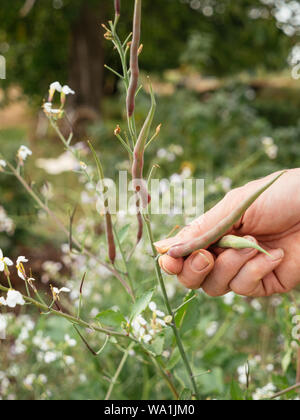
[210,291]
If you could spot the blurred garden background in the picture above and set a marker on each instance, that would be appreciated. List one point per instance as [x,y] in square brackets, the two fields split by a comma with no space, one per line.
[225,74]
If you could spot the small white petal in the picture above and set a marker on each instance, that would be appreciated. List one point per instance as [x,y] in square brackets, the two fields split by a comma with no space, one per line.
[152,306]
[8,261]
[3,301]
[56,86]
[67,90]
[21,260]
[64,290]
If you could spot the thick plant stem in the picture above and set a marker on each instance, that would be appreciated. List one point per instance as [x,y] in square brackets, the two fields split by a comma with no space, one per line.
[169,309]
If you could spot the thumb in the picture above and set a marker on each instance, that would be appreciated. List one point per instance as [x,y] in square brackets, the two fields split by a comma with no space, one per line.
[201,225]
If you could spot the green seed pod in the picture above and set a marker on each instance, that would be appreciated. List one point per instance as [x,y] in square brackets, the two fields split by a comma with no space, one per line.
[236,242]
[138,155]
[117,7]
[213,235]
[134,57]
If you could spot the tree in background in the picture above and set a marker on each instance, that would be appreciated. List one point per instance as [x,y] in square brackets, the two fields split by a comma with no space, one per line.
[52,40]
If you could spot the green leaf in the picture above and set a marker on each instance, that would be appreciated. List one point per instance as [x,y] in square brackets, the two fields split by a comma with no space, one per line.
[286,361]
[111,318]
[122,235]
[174,359]
[236,392]
[188,315]
[157,345]
[141,304]
[185,395]
[212,383]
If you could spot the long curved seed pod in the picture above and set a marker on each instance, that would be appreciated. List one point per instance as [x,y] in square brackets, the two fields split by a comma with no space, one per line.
[140,228]
[213,235]
[138,155]
[117,7]
[110,238]
[236,242]
[108,222]
[134,58]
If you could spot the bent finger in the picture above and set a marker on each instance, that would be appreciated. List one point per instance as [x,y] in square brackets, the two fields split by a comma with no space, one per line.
[227,266]
[249,280]
[195,269]
[171,265]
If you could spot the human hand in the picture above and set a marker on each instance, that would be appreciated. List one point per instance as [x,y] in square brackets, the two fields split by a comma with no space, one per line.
[273,221]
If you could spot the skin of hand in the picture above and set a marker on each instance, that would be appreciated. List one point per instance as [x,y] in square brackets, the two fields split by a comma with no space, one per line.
[273,221]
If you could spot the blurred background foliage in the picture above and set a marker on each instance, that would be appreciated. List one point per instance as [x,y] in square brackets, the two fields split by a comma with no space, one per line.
[230,113]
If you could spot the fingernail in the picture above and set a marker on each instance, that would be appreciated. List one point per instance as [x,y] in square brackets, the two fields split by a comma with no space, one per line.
[277,254]
[199,262]
[163,268]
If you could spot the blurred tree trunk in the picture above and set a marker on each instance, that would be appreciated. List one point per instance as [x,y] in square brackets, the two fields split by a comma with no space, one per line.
[87,59]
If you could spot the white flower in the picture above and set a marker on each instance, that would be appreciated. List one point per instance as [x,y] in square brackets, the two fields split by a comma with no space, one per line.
[50,357]
[2,165]
[64,163]
[264,393]
[212,329]
[147,338]
[152,306]
[23,153]
[67,90]
[55,87]
[62,290]
[56,292]
[70,341]
[243,376]
[51,111]
[3,301]
[20,267]
[4,261]
[270,147]
[14,298]
[69,360]
[229,298]
[3,326]
[83,166]
[156,312]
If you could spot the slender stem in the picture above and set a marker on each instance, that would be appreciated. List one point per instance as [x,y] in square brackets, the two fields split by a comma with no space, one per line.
[183,304]
[285,391]
[169,309]
[118,371]
[124,261]
[71,318]
[166,378]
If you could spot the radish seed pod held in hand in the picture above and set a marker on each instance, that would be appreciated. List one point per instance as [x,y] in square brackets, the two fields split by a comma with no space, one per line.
[236,242]
[224,226]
